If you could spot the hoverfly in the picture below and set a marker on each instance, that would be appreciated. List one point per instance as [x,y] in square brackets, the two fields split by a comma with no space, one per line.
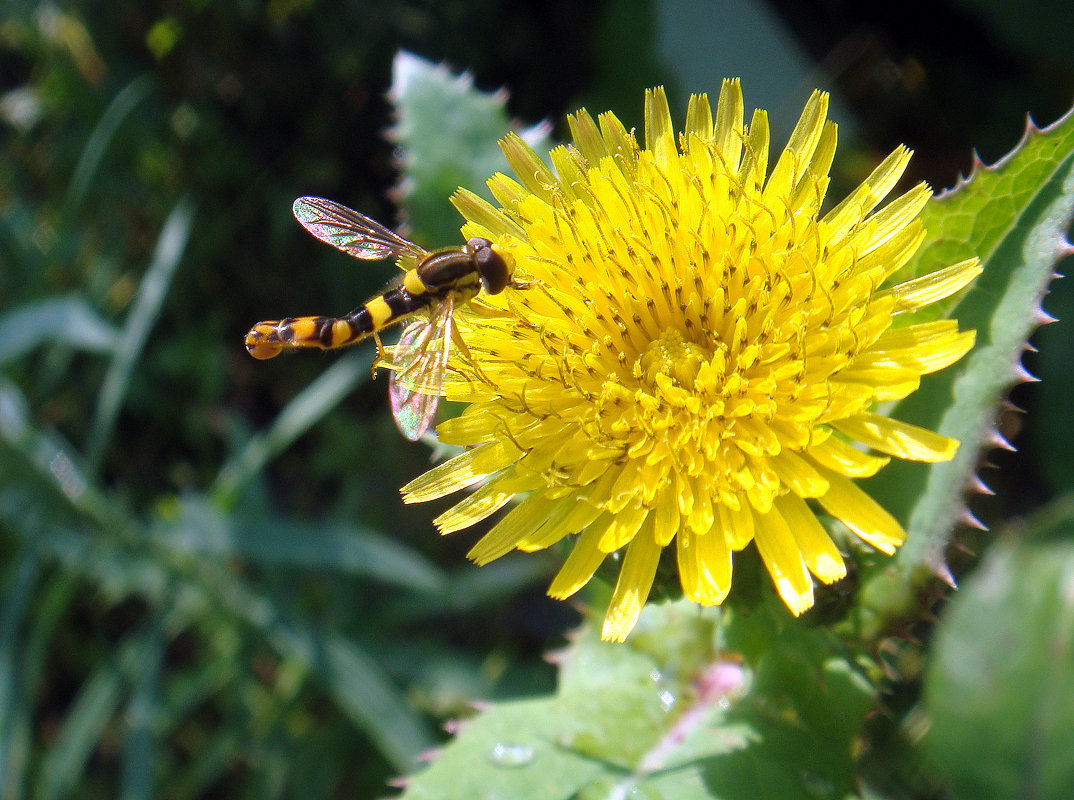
[433,282]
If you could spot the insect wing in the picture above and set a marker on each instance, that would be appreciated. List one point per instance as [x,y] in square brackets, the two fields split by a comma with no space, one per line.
[421,358]
[353,233]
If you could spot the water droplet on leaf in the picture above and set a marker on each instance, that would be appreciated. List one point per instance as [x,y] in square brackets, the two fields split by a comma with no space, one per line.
[511,755]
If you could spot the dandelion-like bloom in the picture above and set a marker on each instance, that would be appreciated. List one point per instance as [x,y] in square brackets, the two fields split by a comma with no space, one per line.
[695,360]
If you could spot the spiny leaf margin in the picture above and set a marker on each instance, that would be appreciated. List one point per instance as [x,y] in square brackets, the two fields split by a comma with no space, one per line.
[448,133]
[1014,216]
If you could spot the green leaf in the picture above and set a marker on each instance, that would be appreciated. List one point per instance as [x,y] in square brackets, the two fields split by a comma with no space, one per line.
[665,715]
[998,686]
[447,133]
[1014,216]
[68,321]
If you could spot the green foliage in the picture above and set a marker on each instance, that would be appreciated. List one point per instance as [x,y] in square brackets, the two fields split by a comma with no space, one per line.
[1004,663]
[68,321]
[666,715]
[208,586]
[447,132]
[1014,216]
[217,590]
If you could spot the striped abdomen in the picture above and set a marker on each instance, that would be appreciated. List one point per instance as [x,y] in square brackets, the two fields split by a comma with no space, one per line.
[439,275]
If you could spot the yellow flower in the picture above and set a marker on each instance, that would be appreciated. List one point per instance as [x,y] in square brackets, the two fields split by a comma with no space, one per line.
[695,360]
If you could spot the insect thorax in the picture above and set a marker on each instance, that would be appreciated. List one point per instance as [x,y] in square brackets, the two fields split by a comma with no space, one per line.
[450,272]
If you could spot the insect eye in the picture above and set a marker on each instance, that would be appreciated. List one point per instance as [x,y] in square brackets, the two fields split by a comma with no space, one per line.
[495,274]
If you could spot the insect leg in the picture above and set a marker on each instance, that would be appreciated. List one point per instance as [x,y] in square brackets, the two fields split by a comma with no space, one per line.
[382,357]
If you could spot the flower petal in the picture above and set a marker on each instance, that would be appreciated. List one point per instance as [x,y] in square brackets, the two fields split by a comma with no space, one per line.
[582,562]
[631,590]
[819,552]
[914,294]
[704,566]
[516,525]
[728,130]
[487,500]
[900,439]
[659,130]
[569,515]
[846,215]
[690,352]
[454,474]
[863,515]
[493,222]
[783,558]
[624,527]
[586,136]
[842,457]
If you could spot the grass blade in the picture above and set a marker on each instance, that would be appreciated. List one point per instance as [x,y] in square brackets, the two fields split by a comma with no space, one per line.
[305,410]
[154,286]
[63,320]
[51,458]
[354,680]
[140,744]
[15,710]
[95,706]
[97,145]
[198,530]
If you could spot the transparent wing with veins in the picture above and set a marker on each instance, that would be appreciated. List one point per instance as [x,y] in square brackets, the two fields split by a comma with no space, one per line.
[353,233]
[421,360]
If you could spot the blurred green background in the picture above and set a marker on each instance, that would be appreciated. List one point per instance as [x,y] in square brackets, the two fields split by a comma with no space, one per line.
[200,598]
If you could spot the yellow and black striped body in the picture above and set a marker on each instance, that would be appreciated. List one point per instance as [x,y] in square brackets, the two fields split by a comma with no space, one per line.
[458,273]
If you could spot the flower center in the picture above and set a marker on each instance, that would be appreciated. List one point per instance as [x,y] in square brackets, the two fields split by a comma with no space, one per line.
[674,357]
